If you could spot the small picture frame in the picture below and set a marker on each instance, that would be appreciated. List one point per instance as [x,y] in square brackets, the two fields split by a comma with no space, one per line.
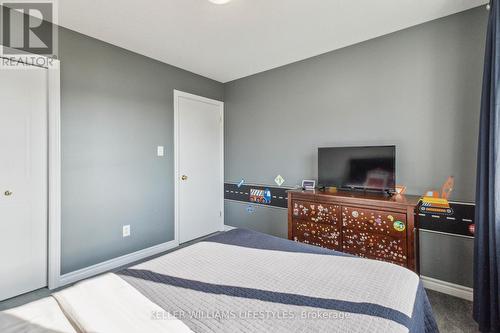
[308,185]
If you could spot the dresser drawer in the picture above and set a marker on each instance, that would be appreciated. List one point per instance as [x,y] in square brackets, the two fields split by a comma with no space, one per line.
[362,255]
[374,221]
[324,235]
[316,212]
[375,246]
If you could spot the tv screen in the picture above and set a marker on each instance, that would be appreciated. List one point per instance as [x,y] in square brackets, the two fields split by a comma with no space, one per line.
[366,168]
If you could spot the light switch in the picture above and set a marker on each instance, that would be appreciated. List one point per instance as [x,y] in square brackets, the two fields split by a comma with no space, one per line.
[126,231]
[160,151]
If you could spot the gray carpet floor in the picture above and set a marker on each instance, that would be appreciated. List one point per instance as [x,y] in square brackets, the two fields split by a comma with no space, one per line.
[25,298]
[452,314]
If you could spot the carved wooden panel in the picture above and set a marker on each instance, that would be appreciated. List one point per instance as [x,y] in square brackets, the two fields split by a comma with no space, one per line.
[316,212]
[372,245]
[324,235]
[374,221]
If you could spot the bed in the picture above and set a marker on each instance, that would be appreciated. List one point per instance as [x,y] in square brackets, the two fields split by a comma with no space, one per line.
[244,281]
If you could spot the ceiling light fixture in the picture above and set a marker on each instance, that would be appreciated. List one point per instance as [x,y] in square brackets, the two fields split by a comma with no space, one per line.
[219,2]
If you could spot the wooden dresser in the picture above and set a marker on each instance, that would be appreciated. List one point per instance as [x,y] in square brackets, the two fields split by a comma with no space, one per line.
[365,224]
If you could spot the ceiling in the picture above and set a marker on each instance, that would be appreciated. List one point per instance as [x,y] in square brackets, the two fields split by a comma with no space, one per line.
[245,37]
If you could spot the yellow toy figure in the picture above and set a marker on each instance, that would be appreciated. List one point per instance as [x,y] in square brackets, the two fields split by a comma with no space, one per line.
[437,203]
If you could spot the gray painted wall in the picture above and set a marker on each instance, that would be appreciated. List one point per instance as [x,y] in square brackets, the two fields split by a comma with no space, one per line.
[269,220]
[447,258]
[117,107]
[418,88]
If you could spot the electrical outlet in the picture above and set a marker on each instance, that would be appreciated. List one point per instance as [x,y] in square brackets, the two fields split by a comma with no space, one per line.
[160,151]
[126,230]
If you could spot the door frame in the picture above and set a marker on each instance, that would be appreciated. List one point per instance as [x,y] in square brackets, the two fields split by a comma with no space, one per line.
[53,159]
[177,94]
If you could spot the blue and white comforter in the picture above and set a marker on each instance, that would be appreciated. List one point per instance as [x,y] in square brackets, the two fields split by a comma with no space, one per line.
[244,281]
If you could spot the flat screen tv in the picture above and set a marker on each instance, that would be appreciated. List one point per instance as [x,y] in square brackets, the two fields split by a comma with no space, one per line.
[358,168]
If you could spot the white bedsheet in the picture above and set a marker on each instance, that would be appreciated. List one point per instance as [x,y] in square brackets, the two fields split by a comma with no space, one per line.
[42,316]
[108,304]
[105,304]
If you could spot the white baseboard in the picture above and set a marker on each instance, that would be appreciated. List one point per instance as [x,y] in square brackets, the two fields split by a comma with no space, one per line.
[228,227]
[111,264]
[447,288]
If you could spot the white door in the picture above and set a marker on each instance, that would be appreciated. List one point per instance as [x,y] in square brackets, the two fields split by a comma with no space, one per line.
[23,180]
[199,165]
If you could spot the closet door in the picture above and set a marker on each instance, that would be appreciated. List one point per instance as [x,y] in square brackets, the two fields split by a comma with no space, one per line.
[23,180]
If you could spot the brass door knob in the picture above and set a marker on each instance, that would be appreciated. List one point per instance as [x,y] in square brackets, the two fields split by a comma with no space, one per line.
[184,177]
[7,193]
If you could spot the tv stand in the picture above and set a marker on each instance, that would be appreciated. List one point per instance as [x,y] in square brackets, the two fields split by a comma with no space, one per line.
[358,190]
[372,225]
[389,193]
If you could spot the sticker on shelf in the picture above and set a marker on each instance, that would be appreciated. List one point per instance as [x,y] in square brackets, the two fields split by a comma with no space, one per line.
[279,180]
[399,226]
[355,214]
